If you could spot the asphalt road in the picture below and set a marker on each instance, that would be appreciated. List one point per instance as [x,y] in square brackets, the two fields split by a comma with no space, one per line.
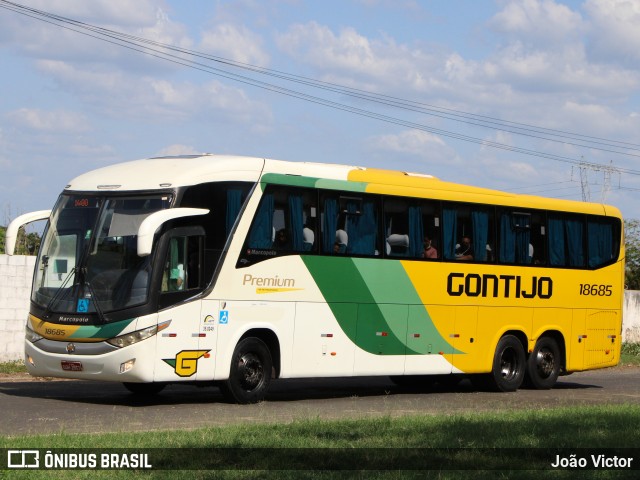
[35,406]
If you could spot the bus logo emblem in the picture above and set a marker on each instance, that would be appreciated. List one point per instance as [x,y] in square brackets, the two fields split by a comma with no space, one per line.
[186,362]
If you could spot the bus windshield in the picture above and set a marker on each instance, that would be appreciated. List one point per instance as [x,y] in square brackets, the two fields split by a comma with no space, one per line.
[88,262]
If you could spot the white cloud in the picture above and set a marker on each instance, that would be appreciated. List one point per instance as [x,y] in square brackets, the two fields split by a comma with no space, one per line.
[413,142]
[48,121]
[143,18]
[123,12]
[563,70]
[423,150]
[236,43]
[177,150]
[124,95]
[351,58]
[615,35]
[539,21]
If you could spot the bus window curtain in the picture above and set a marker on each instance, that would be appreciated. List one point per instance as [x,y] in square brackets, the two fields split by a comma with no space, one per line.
[234,203]
[480,228]
[416,232]
[600,236]
[361,229]
[175,274]
[556,242]
[522,238]
[296,222]
[507,240]
[329,224]
[261,235]
[449,228]
[574,235]
[369,229]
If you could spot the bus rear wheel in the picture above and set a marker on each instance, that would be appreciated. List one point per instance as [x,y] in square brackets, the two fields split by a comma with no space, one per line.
[250,372]
[543,366]
[509,365]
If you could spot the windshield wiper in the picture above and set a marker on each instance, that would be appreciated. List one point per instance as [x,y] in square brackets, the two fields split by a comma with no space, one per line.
[81,273]
[56,296]
[96,302]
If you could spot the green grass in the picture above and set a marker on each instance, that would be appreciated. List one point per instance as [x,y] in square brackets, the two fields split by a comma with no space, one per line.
[13,367]
[571,428]
[630,354]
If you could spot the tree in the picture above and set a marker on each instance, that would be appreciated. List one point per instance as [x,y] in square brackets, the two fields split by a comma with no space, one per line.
[632,247]
[26,243]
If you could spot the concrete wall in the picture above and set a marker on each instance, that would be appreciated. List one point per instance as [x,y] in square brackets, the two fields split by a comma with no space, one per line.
[631,317]
[15,285]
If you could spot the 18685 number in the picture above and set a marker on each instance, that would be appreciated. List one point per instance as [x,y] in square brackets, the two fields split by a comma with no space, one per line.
[595,290]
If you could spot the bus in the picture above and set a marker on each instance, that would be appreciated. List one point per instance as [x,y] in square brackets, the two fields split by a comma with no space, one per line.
[234,271]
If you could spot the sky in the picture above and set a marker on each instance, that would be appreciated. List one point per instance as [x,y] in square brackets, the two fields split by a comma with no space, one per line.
[504,94]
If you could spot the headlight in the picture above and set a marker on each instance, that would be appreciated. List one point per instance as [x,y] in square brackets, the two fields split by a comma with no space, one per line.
[30,335]
[137,336]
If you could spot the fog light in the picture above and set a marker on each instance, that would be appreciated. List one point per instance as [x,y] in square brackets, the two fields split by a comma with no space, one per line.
[30,360]
[126,366]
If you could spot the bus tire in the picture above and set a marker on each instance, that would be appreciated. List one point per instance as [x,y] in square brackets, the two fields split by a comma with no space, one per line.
[144,389]
[543,365]
[250,372]
[509,365]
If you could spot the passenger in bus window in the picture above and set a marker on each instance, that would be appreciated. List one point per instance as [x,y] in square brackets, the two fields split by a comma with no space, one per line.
[342,240]
[176,278]
[465,250]
[429,250]
[282,240]
[308,236]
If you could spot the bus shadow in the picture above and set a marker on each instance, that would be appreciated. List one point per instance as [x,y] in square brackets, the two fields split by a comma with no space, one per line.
[285,390]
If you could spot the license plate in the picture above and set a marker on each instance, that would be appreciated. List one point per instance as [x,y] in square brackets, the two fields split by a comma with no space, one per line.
[71,366]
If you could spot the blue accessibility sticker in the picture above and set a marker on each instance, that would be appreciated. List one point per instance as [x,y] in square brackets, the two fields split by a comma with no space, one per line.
[224,317]
[83,305]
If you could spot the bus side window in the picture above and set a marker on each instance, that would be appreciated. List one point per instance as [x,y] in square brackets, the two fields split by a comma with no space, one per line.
[468,233]
[285,221]
[360,224]
[349,224]
[398,242]
[182,267]
[411,228]
[603,247]
[566,235]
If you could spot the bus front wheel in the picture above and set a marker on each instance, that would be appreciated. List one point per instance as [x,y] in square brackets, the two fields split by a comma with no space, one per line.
[250,372]
[509,364]
[543,366]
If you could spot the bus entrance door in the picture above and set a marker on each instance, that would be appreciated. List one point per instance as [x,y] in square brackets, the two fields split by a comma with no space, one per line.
[180,353]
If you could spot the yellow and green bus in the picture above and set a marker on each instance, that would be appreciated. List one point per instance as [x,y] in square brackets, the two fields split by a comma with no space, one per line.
[235,271]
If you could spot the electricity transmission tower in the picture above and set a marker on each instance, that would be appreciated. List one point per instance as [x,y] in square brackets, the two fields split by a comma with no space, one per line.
[605,170]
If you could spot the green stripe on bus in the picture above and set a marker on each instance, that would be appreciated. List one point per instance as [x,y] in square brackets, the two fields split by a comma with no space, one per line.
[103,331]
[312,182]
[389,283]
[374,316]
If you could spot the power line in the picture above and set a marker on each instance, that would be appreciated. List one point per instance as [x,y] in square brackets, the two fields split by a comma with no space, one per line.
[150,47]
